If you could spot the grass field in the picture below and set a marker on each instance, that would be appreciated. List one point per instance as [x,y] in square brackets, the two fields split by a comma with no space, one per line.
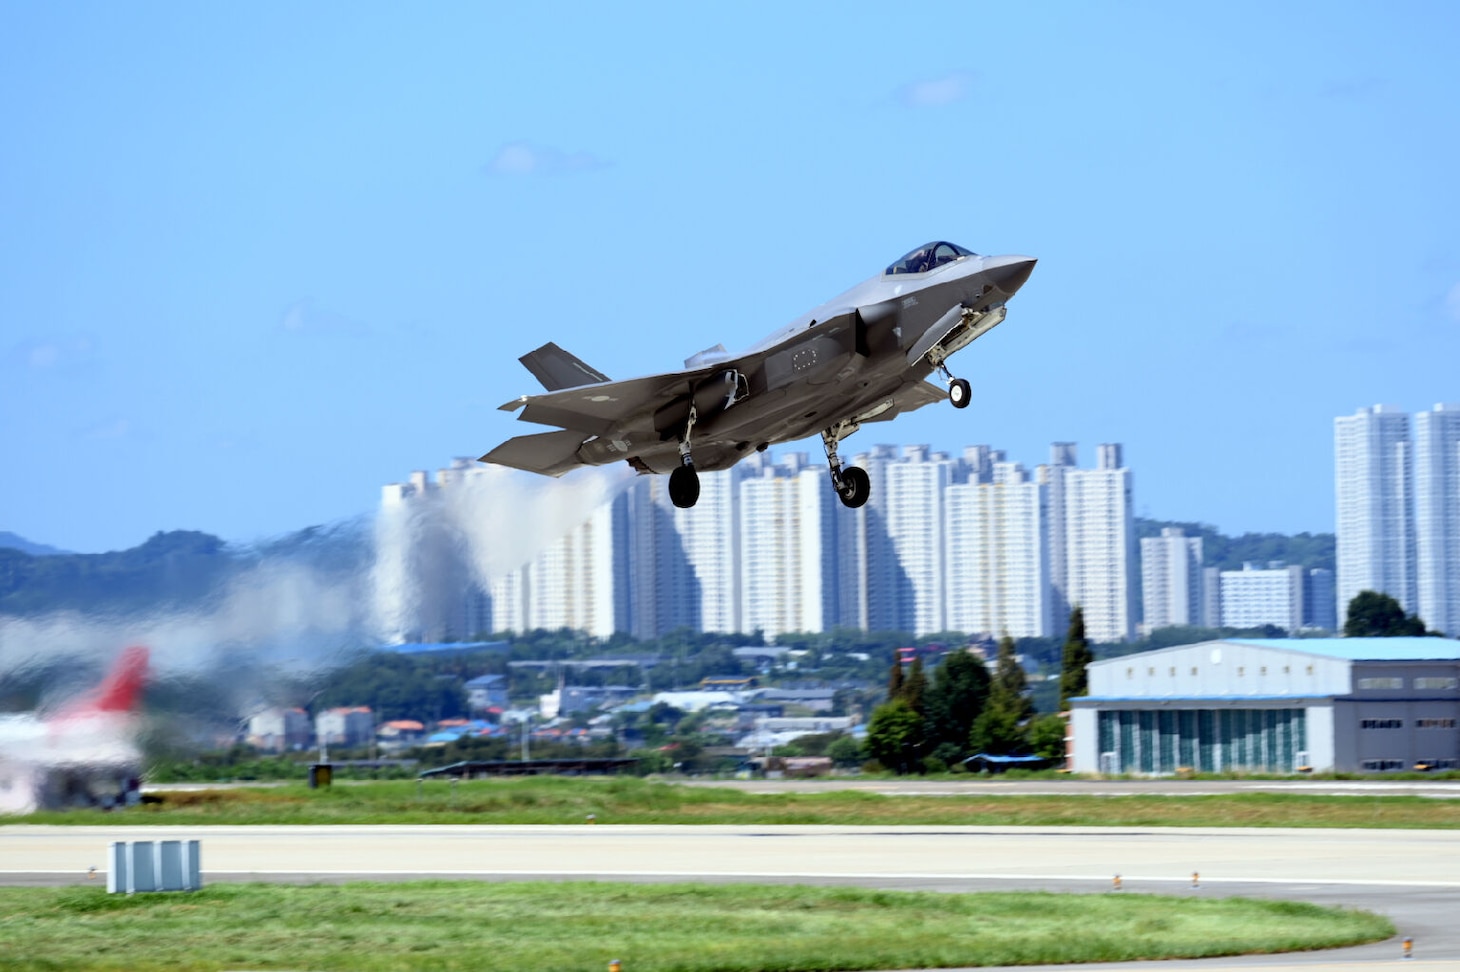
[625,800]
[650,928]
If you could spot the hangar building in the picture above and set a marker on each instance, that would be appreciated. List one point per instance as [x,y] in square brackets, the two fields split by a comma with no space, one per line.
[1272,705]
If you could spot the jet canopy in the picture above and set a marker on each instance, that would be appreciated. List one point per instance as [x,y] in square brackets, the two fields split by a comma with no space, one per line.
[929,256]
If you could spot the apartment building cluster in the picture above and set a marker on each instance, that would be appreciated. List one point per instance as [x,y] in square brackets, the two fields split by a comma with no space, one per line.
[1397,484]
[974,543]
[1177,589]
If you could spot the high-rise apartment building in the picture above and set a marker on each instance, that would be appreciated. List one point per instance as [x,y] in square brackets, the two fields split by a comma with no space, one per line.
[1374,489]
[997,533]
[1437,517]
[1099,530]
[710,535]
[1255,596]
[788,549]
[1171,580]
[914,508]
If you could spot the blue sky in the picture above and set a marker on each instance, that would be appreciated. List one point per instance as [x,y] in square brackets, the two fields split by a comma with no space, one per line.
[258,260]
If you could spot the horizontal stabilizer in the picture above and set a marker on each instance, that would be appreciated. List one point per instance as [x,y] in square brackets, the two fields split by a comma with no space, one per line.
[557,369]
[549,453]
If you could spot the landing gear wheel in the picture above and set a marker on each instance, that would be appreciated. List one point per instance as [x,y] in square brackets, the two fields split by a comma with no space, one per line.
[960,393]
[684,487]
[855,487]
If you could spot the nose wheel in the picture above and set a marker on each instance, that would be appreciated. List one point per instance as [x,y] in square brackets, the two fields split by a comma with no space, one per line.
[853,486]
[959,392]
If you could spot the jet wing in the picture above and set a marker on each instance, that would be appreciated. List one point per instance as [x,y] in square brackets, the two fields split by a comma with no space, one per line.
[598,409]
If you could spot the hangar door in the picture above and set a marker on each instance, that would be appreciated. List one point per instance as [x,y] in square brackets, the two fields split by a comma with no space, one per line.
[1207,740]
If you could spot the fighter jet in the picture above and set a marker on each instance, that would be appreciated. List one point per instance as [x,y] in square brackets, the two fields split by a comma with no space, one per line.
[863,356]
[84,755]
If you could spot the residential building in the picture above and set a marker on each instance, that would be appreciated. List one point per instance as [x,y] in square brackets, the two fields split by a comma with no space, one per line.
[788,549]
[1374,488]
[997,554]
[1171,580]
[1099,531]
[1253,597]
[279,729]
[345,726]
[914,505]
[1437,517]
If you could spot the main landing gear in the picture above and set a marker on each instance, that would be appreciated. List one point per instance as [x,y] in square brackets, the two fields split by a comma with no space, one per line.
[853,486]
[684,482]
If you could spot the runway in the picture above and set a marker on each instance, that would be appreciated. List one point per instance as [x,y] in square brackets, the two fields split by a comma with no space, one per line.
[1411,876]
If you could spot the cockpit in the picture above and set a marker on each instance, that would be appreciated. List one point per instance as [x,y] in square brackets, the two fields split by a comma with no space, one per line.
[929,257]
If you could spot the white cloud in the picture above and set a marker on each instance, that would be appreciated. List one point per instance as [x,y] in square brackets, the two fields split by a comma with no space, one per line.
[938,91]
[306,315]
[118,428]
[51,353]
[525,159]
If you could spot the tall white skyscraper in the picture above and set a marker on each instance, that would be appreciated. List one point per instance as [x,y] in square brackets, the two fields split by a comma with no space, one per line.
[914,509]
[1099,527]
[1062,460]
[788,545]
[1171,579]
[997,537]
[1375,506]
[1437,516]
[710,533]
[872,587]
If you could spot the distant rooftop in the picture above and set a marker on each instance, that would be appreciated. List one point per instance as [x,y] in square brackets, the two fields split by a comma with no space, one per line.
[1363,649]
[449,647]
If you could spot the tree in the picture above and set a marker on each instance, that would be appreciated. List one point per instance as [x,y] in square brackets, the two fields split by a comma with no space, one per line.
[1000,728]
[845,752]
[895,679]
[1375,615]
[1047,736]
[894,735]
[915,688]
[959,691]
[1077,654]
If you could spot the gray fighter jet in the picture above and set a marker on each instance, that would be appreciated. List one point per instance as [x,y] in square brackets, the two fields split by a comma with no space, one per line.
[861,357]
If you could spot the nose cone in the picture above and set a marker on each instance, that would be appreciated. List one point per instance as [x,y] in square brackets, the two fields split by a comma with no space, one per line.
[1008,273]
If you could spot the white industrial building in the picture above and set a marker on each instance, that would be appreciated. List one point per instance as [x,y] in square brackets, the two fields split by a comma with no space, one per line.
[1273,705]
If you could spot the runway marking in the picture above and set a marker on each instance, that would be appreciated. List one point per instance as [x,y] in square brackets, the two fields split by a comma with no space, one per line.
[817,875]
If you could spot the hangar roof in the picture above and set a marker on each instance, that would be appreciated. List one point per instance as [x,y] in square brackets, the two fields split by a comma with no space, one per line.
[1362,649]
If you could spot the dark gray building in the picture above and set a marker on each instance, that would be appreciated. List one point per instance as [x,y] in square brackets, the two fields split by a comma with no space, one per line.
[1273,705]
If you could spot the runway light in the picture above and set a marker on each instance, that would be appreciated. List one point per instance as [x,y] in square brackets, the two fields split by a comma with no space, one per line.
[1195,879]
[90,873]
[1115,883]
[592,818]
[614,965]
[1409,948]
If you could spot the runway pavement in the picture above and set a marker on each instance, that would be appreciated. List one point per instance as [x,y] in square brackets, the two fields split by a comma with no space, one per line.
[1411,876]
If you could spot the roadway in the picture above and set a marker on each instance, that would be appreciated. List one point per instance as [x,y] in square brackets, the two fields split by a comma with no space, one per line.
[1411,876]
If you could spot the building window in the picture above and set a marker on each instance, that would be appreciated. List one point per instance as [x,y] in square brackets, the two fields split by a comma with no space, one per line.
[1381,683]
[1310,669]
[1193,669]
[1287,671]
[1434,723]
[1130,673]
[1382,764]
[1381,723]
[1262,670]
[1436,683]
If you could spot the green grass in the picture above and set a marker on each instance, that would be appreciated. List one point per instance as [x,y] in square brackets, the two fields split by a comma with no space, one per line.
[650,928]
[625,800]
